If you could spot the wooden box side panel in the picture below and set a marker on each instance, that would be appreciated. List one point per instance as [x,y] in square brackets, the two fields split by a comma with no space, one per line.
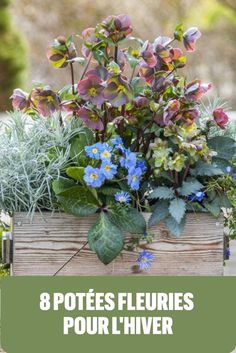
[42,247]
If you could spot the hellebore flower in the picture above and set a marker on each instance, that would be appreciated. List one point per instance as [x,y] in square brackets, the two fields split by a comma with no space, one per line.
[91,89]
[220,117]
[94,151]
[129,161]
[134,178]
[93,176]
[177,57]
[147,73]
[99,71]
[122,197]
[20,100]
[118,143]
[105,152]
[90,118]
[108,169]
[190,37]
[188,116]
[196,89]
[118,91]
[60,52]
[69,106]
[147,54]
[117,27]
[198,196]
[170,110]
[90,40]
[145,259]
[45,101]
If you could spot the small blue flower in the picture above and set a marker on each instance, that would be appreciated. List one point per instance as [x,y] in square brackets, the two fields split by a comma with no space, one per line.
[227,252]
[122,197]
[93,176]
[145,259]
[108,169]
[197,196]
[105,152]
[134,178]
[118,143]
[228,169]
[142,165]
[94,150]
[129,161]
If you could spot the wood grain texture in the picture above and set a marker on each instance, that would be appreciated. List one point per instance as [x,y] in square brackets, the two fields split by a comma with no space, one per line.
[43,246]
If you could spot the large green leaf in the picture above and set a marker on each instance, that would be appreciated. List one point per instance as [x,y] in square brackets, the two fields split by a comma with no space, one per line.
[76,173]
[177,209]
[77,144]
[215,206]
[81,194]
[205,169]
[76,207]
[61,184]
[224,146]
[162,192]
[175,228]
[106,239]
[160,212]
[131,221]
[189,187]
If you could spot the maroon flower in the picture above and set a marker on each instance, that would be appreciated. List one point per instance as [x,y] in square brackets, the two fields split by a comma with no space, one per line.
[188,116]
[117,27]
[91,89]
[90,118]
[20,100]
[160,47]
[69,106]
[45,101]
[147,73]
[99,71]
[196,89]
[220,117]
[118,91]
[90,40]
[170,111]
[141,102]
[147,54]
[190,37]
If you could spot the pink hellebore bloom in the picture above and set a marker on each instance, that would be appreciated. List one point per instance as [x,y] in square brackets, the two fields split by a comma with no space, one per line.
[220,117]
[118,91]
[90,40]
[188,116]
[20,100]
[117,27]
[45,101]
[196,89]
[90,118]
[147,54]
[170,111]
[190,38]
[91,89]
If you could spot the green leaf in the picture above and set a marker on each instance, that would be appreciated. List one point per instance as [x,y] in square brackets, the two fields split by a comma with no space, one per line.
[221,163]
[177,209]
[160,212]
[106,239]
[179,32]
[85,138]
[131,221]
[61,184]
[224,146]
[213,207]
[76,173]
[162,192]
[189,187]
[109,190]
[205,169]
[174,227]
[76,207]
[81,194]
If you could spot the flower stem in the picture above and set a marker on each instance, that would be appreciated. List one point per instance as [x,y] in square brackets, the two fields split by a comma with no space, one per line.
[116,54]
[86,67]
[72,78]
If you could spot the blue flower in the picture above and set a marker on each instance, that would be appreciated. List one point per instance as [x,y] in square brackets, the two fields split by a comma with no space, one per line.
[227,253]
[228,169]
[145,259]
[93,176]
[105,152]
[122,197]
[108,169]
[234,176]
[94,150]
[118,143]
[129,161]
[197,196]
[134,178]
[142,165]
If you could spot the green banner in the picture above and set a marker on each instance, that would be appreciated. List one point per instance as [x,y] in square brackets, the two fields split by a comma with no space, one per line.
[118,314]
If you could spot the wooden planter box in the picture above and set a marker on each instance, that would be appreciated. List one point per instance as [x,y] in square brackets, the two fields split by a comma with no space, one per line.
[43,246]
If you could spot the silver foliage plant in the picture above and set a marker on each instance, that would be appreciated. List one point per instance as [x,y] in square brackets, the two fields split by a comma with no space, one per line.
[26,166]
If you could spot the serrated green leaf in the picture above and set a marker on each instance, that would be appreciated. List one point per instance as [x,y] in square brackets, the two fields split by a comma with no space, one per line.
[224,146]
[160,212]
[106,239]
[162,192]
[189,187]
[213,207]
[131,221]
[76,207]
[205,169]
[61,184]
[174,227]
[177,209]
[76,173]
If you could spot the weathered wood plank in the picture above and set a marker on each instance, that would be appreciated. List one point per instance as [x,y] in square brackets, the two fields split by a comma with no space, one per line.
[42,247]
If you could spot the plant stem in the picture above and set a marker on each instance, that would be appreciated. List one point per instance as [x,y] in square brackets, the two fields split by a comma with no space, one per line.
[86,67]
[116,54]
[186,172]
[72,78]
[132,74]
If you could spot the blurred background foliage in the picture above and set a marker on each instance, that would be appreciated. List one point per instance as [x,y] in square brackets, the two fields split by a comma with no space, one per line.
[214,60]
